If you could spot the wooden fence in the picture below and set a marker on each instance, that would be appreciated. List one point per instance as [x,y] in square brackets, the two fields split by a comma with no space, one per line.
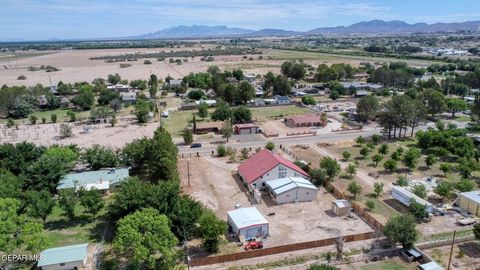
[357,208]
[277,249]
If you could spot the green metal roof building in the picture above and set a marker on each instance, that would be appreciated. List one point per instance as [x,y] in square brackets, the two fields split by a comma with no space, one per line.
[63,258]
[101,179]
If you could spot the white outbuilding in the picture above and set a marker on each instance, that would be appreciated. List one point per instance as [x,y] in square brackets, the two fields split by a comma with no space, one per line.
[247,223]
[291,189]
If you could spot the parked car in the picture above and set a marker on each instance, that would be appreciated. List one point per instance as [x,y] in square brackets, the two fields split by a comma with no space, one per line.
[195,145]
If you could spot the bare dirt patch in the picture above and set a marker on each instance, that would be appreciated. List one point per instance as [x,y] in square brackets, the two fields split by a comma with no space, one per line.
[466,256]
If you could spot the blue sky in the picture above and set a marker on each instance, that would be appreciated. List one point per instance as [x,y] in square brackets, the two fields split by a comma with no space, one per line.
[42,19]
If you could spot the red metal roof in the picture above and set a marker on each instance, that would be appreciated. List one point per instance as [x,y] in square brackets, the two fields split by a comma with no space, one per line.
[263,162]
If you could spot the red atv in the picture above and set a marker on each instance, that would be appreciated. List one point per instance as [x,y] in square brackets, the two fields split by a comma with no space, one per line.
[253,245]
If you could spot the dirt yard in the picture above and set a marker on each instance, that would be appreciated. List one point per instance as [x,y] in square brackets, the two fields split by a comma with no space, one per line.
[466,256]
[212,182]
[278,127]
[103,134]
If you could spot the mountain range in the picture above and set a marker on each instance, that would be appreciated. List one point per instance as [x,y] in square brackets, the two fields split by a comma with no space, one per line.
[366,27]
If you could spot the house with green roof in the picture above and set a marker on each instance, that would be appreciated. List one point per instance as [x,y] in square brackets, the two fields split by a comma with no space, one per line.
[102,180]
[63,258]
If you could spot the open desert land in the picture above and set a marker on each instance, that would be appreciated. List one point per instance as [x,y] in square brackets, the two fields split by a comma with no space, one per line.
[75,65]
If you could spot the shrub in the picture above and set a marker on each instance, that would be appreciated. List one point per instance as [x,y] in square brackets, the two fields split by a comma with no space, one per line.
[147,62]
[221,151]
[21,77]
[53,117]
[270,146]
[33,119]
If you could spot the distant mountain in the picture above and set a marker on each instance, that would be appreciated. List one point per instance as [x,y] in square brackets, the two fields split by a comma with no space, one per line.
[274,32]
[396,27]
[195,31]
[366,27]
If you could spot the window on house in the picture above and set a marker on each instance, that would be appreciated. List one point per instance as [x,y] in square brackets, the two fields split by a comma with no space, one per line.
[62,264]
[282,172]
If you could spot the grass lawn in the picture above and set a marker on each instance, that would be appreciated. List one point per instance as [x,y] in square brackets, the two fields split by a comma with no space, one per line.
[177,121]
[269,113]
[84,229]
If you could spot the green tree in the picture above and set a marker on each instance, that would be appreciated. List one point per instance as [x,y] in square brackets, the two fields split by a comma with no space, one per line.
[351,170]
[153,86]
[98,157]
[67,201]
[308,100]
[435,101]
[377,158]
[144,240]
[390,165]
[227,129]
[162,158]
[370,205]
[106,96]
[39,204]
[420,191]
[9,223]
[210,229]
[270,146]
[222,112]
[383,150]
[463,185]
[410,159]
[455,105]
[203,110]
[443,189]
[114,78]
[367,108]
[360,140]
[32,236]
[418,210]
[430,160]
[187,135]
[378,189]
[92,201]
[354,188]
[10,185]
[476,230]
[49,168]
[346,155]
[221,150]
[331,167]
[72,116]
[364,151]
[85,97]
[245,92]
[241,114]
[318,176]
[401,229]
[445,168]
[401,181]
[142,109]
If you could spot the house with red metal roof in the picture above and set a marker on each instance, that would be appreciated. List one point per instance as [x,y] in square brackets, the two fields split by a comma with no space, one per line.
[267,165]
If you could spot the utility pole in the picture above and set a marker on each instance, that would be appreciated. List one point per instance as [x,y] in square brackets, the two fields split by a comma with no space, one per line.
[188,172]
[451,250]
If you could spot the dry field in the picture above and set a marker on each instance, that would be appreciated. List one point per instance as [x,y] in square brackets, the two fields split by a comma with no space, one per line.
[466,256]
[75,65]
[213,183]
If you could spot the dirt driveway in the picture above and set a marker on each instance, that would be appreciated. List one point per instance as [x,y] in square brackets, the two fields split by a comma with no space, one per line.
[213,183]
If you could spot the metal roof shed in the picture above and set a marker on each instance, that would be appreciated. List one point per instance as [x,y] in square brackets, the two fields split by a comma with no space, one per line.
[430,266]
[248,222]
[67,257]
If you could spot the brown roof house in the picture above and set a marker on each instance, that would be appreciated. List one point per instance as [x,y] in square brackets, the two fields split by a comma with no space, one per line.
[306,120]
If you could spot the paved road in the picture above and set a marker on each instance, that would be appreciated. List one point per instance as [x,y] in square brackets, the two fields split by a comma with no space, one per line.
[331,137]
